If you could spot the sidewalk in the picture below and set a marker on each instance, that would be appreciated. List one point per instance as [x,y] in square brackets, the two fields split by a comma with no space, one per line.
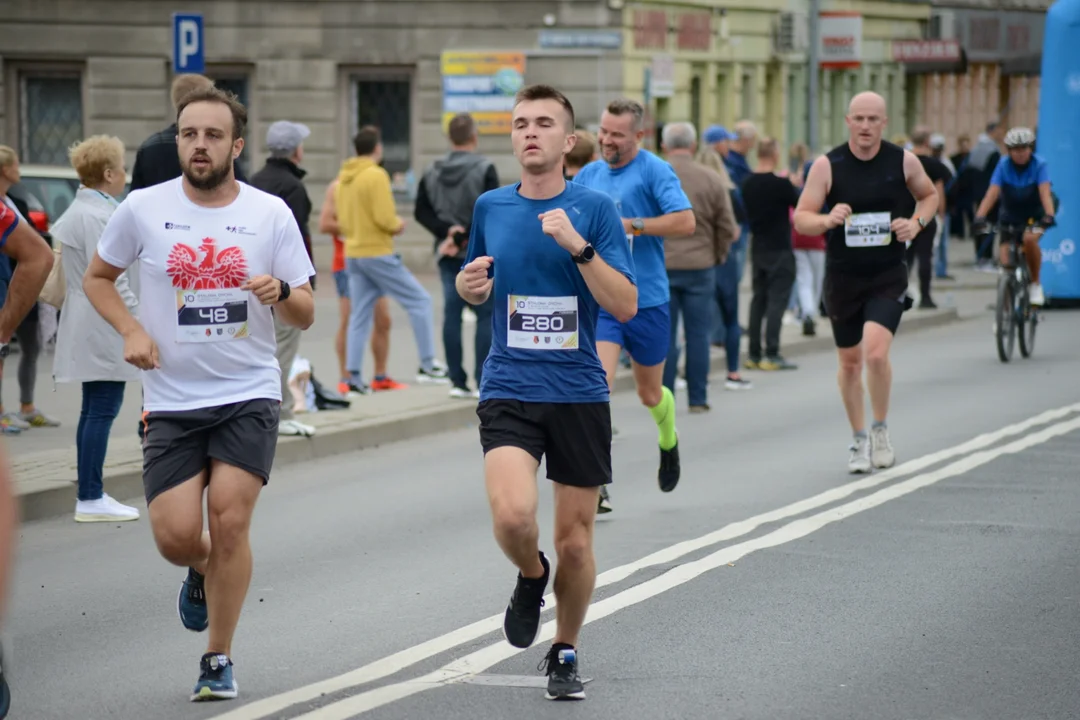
[44,459]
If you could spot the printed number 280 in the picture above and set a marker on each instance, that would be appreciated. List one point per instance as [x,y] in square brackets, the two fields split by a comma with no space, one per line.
[541,323]
[214,315]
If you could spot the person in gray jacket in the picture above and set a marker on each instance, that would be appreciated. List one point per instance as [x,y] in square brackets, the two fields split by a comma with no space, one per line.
[88,349]
[444,205]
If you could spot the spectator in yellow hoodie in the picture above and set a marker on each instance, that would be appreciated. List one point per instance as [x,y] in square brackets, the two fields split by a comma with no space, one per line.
[369,222]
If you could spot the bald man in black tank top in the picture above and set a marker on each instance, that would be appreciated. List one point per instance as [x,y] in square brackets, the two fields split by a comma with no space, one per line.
[866,185]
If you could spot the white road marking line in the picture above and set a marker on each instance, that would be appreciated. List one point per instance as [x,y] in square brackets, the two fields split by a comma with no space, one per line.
[480,660]
[402,659]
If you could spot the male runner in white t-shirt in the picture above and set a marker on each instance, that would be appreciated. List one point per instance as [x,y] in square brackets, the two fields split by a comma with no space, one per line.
[216,258]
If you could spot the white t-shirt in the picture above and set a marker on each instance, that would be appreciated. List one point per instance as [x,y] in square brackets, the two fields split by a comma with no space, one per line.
[216,343]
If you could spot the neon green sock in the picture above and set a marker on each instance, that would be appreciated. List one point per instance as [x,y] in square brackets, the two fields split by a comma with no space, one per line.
[664,416]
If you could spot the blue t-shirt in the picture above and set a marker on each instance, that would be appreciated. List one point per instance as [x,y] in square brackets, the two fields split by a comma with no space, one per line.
[647,187]
[1020,199]
[543,340]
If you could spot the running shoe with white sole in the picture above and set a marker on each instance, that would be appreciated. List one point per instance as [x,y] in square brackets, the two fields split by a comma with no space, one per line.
[882,454]
[104,509]
[604,503]
[216,681]
[859,460]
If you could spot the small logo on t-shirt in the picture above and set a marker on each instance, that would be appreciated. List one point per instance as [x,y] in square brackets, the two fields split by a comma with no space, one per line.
[175,226]
[239,230]
[206,268]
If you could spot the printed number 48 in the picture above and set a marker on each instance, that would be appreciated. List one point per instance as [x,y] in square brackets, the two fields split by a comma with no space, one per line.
[214,315]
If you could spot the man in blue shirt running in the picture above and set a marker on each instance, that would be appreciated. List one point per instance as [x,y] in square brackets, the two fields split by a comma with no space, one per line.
[554,253]
[1021,181]
[653,206]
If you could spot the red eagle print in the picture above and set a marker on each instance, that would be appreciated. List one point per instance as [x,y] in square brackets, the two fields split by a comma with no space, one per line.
[215,271]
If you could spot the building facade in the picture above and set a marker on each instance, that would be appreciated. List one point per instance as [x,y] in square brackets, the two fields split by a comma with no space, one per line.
[72,68]
[989,68]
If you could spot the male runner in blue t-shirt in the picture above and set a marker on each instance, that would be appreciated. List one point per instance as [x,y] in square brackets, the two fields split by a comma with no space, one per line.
[553,253]
[1022,181]
[653,206]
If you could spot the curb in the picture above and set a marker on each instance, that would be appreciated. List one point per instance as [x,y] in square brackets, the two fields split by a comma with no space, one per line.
[125,481]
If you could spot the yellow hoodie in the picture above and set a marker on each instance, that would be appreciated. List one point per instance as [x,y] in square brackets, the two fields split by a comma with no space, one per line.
[365,209]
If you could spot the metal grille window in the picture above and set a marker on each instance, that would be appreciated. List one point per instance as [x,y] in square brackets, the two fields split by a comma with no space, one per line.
[238,86]
[387,104]
[50,118]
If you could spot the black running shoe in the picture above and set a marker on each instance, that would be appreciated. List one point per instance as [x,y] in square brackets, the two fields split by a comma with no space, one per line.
[521,624]
[670,469]
[564,683]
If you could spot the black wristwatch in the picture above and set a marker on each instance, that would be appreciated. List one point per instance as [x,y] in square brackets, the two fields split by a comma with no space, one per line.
[5,350]
[586,255]
[284,292]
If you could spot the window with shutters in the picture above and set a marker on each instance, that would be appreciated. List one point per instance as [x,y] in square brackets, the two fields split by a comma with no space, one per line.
[50,115]
[237,81]
[385,99]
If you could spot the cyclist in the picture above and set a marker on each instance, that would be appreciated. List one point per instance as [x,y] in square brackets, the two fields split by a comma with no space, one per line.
[1022,182]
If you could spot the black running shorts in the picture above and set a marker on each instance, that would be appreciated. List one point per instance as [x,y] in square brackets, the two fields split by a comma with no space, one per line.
[178,445]
[852,300]
[576,437]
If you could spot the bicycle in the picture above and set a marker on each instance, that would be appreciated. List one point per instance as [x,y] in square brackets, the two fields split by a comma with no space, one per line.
[1015,317]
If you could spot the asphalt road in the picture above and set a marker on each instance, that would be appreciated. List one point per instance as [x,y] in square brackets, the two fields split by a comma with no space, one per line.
[944,589]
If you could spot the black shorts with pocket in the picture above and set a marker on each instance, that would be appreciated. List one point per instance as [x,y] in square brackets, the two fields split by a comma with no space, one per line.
[854,299]
[178,445]
[576,437]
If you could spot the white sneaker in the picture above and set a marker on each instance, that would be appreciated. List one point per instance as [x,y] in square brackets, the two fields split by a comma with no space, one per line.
[680,383]
[859,462]
[104,509]
[294,428]
[1035,292]
[881,449]
[459,393]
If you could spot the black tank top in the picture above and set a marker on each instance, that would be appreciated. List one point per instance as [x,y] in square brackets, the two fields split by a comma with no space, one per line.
[873,188]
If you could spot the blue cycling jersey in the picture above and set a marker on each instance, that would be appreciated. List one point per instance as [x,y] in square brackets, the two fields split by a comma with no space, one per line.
[1019,187]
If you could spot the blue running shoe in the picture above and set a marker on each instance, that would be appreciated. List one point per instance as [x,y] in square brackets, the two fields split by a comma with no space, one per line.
[191,604]
[215,679]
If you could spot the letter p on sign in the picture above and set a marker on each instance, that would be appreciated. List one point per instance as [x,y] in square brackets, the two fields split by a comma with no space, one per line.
[188,44]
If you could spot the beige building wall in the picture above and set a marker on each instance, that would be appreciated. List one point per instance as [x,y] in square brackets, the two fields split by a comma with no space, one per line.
[93,66]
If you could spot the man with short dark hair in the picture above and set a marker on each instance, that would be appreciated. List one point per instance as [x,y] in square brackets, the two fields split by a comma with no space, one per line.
[922,247]
[769,200]
[156,160]
[217,260]
[653,206]
[282,176]
[444,205]
[367,216]
[550,252]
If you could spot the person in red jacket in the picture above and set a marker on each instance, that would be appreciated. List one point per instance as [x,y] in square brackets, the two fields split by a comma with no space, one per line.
[809,275]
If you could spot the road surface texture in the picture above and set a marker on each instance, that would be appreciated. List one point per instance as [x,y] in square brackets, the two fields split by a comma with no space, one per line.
[769,585]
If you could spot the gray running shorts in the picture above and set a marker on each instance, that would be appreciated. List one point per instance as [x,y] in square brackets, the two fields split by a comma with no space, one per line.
[178,445]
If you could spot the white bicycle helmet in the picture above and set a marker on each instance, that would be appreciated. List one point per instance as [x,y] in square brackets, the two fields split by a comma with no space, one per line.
[1019,137]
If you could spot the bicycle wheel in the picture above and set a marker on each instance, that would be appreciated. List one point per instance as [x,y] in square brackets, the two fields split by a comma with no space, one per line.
[1005,327]
[1029,318]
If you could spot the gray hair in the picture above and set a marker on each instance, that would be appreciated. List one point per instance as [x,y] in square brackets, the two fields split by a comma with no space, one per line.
[678,135]
[746,130]
[626,106]
[279,153]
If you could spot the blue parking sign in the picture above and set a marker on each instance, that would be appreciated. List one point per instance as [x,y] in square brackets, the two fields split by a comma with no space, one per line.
[188,56]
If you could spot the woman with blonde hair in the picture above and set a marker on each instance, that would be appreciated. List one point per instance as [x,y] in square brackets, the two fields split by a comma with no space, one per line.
[88,349]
